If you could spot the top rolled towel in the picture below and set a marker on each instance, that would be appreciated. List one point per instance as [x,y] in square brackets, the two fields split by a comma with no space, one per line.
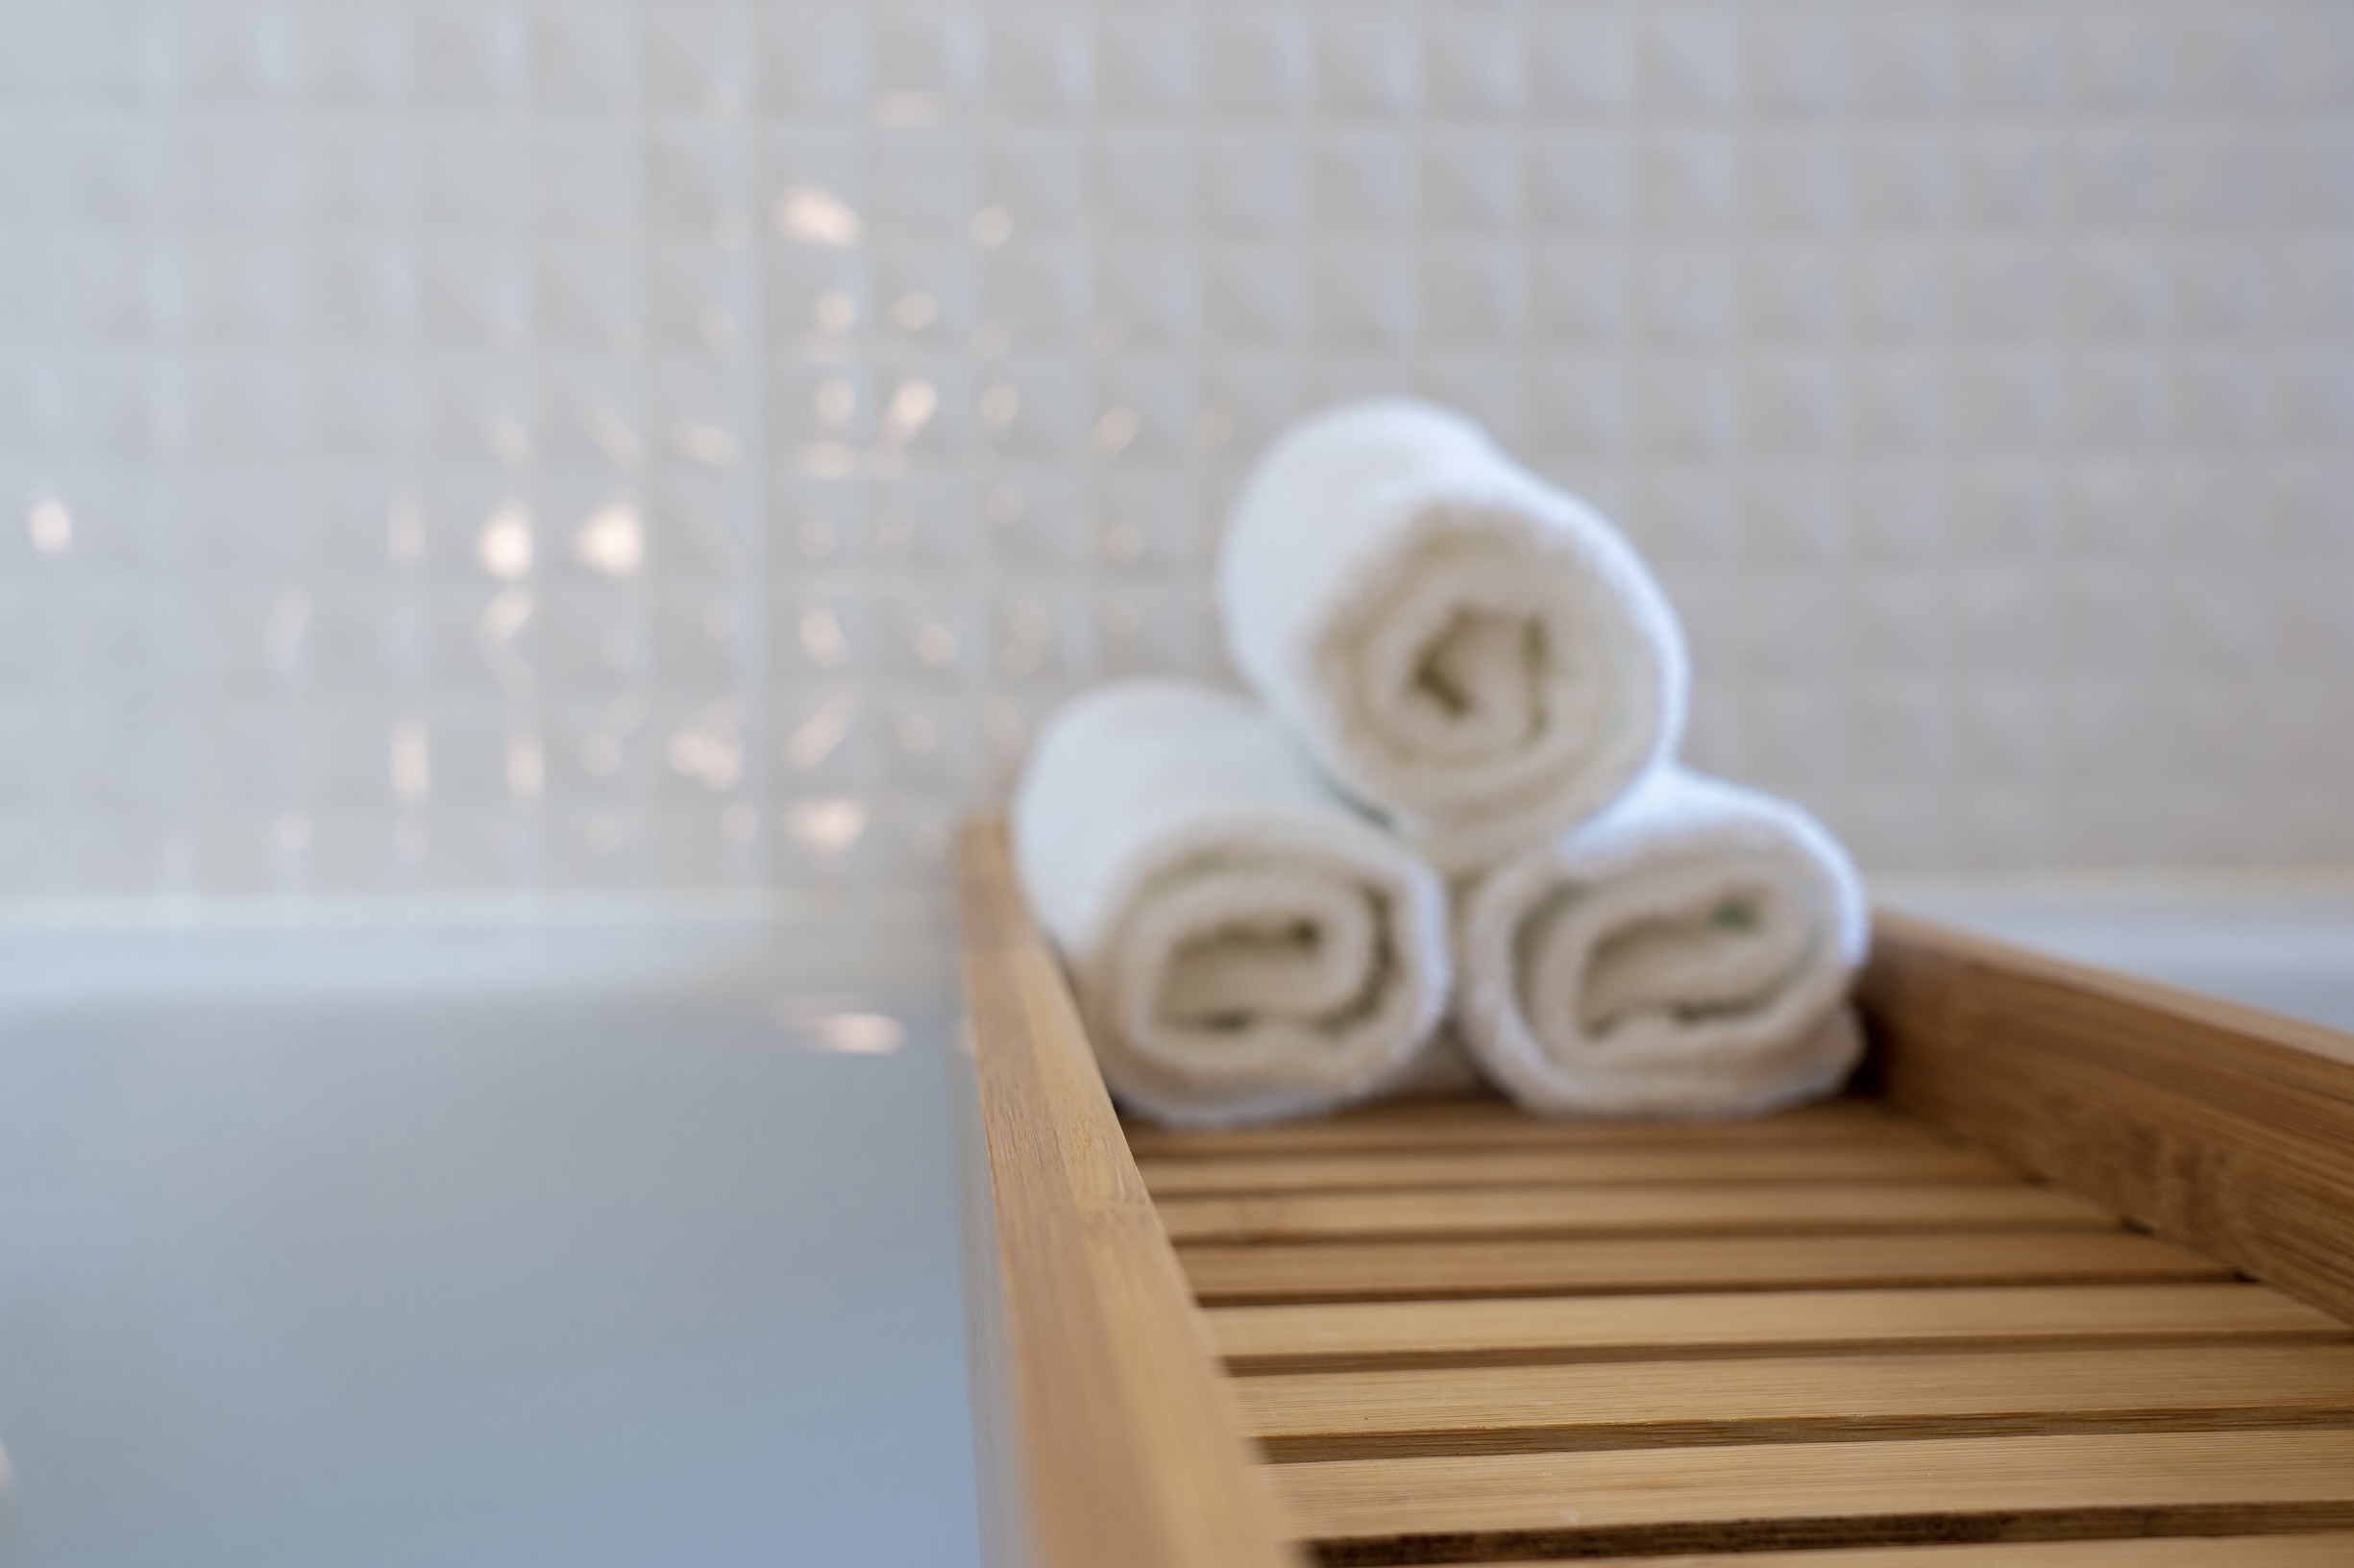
[1685,954]
[1244,946]
[1473,652]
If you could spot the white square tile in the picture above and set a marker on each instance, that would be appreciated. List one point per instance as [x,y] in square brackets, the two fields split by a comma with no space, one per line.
[2313,399]
[1990,357]
[1472,296]
[1899,294]
[1686,182]
[1901,180]
[1145,523]
[1030,519]
[2306,517]
[1472,60]
[813,60]
[1144,182]
[1146,62]
[1794,741]
[2008,515]
[1036,295]
[1039,635]
[1685,410]
[1147,296]
[1794,404]
[1794,295]
[1791,628]
[1147,628]
[925,185]
[2004,291]
[1792,182]
[1689,517]
[1897,630]
[1255,396]
[344,57]
[1903,58]
[1795,518]
[1471,184]
[2113,400]
[1898,516]
[1581,58]
[1038,179]
[1483,383]
[1038,65]
[1143,408]
[1255,58]
[1252,185]
[582,183]
[1366,184]
[2004,178]
[2113,178]
[1687,297]
[1365,298]
[584,57]
[1576,182]
[1368,63]
[1793,60]
[2010,60]
[697,59]
[923,62]
[1576,295]
[1252,297]
[460,57]
[1035,408]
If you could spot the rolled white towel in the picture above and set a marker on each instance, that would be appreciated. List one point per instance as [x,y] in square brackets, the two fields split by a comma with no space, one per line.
[1473,652]
[1243,944]
[1686,953]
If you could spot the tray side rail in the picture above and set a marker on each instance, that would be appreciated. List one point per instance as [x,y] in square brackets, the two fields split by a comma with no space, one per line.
[2224,1127]
[1130,1449]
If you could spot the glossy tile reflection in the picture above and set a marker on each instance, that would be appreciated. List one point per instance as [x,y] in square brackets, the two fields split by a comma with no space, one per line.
[678,423]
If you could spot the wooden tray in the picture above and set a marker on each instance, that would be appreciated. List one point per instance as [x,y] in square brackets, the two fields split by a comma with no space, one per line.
[2007,1295]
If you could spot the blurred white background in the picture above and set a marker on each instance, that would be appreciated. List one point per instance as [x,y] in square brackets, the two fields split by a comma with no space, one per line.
[676,447]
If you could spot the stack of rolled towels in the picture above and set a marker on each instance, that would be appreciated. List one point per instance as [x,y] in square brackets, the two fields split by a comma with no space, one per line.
[1453,816]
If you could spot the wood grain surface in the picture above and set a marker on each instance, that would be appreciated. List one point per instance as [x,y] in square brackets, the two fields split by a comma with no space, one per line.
[2327,1549]
[1395,1335]
[2226,1128]
[1693,1209]
[1919,1159]
[1484,1124]
[1796,1399]
[1130,1449]
[1750,1498]
[1458,1334]
[1229,1275]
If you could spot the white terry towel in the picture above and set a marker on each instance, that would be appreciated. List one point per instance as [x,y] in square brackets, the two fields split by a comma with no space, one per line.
[1244,946]
[1475,654]
[1686,953]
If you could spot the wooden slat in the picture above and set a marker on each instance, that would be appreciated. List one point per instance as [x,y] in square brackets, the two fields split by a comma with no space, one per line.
[1394,1335]
[1925,1159]
[2330,1548]
[1429,1125]
[1130,1451]
[1349,1415]
[2228,1128]
[1233,1275]
[1725,1208]
[1821,1494]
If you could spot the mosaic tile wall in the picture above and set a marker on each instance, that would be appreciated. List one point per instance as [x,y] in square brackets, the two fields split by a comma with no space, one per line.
[668,446]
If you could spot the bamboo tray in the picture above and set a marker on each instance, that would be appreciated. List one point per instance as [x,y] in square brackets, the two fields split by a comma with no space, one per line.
[2071,1279]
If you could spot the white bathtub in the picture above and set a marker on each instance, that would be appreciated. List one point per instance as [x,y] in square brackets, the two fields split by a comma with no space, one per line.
[2287,947]
[615,1241]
